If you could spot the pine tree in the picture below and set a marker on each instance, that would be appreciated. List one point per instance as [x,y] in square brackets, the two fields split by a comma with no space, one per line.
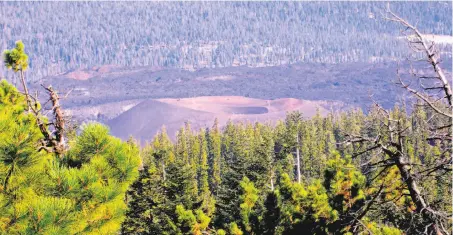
[203,172]
[182,149]
[227,200]
[283,152]
[144,198]
[271,215]
[17,60]
[192,223]
[260,169]
[205,194]
[19,137]
[81,192]
[249,197]
[162,153]
[179,186]
[214,145]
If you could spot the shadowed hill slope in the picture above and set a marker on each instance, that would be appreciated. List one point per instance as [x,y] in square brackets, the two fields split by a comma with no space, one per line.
[145,119]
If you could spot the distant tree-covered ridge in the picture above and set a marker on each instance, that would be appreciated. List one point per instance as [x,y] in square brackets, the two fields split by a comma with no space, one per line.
[386,172]
[72,35]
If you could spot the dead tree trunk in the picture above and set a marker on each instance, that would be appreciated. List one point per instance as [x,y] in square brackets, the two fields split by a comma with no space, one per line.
[439,102]
[53,140]
[59,122]
[409,179]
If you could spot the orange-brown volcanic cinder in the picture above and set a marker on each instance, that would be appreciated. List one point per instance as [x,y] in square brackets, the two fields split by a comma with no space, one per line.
[145,119]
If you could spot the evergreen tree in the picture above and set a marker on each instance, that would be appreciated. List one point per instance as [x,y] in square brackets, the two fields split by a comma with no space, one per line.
[271,214]
[260,170]
[162,153]
[249,197]
[145,197]
[192,223]
[208,202]
[17,60]
[81,192]
[227,200]
[339,195]
[283,152]
[215,156]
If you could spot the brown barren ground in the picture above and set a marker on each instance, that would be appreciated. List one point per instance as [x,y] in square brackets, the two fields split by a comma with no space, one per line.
[145,119]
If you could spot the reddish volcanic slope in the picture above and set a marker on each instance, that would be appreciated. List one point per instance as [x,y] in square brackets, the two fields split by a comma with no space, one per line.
[145,119]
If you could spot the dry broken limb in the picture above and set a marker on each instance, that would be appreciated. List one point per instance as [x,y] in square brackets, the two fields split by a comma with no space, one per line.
[426,98]
[395,149]
[53,140]
[57,139]
[393,145]
[392,132]
[419,43]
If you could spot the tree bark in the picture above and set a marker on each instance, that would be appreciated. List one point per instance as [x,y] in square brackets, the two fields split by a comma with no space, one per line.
[414,192]
[24,84]
[8,175]
[59,122]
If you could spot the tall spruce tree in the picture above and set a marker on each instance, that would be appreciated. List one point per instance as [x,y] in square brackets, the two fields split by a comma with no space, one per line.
[215,158]
[145,198]
[203,177]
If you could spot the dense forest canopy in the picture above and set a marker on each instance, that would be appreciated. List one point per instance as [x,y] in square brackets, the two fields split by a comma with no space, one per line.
[314,176]
[244,179]
[71,35]
[386,172]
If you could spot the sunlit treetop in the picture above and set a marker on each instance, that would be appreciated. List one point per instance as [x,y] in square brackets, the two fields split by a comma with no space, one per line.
[16,59]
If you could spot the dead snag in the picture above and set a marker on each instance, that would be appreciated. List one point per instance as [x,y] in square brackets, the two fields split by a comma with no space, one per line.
[58,123]
[54,140]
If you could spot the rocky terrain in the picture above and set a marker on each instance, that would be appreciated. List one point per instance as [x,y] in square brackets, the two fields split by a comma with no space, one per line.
[153,96]
[349,83]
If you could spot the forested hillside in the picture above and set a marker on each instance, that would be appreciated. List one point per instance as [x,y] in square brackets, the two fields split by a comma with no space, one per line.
[386,171]
[71,35]
[300,177]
